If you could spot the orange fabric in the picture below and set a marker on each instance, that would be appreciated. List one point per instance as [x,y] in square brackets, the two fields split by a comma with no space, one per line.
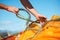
[51,31]
[10,38]
[29,33]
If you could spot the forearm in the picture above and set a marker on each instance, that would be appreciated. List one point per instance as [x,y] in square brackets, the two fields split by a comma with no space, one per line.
[2,6]
[34,12]
[29,7]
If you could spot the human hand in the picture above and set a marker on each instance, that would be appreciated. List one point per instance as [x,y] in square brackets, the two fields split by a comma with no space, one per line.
[41,18]
[12,9]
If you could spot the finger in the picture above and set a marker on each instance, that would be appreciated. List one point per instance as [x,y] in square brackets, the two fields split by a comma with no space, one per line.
[16,11]
[13,11]
[42,23]
[44,16]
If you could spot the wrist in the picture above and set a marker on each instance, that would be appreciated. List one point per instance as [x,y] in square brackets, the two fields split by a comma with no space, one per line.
[2,6]
[36,14]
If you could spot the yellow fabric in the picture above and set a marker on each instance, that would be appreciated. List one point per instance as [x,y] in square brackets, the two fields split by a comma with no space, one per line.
[51,31]
[29,33]
[26,35]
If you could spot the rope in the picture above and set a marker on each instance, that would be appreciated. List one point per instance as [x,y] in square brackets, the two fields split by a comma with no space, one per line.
[28,20]
[22,17]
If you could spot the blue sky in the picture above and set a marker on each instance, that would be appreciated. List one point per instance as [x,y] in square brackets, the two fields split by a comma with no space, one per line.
[9,21]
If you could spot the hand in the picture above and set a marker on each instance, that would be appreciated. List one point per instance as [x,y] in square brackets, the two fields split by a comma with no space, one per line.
[41,18]
[12,9]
